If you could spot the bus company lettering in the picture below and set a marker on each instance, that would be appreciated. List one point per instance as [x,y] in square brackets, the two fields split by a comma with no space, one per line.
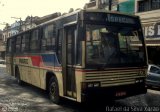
[23,61]
[119,19]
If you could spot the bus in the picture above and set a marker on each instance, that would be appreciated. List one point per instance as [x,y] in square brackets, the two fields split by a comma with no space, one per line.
[81,55]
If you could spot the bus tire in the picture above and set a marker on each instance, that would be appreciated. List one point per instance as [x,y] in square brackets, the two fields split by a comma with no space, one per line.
[19,81]
[54,90]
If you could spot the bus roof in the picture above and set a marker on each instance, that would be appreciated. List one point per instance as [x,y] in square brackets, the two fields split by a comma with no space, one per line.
[73,13]
[87,10]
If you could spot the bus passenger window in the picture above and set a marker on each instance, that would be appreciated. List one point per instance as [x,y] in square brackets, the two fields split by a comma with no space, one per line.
[9,46]
[25,42]
[34,40]
[48,38]
[18,44]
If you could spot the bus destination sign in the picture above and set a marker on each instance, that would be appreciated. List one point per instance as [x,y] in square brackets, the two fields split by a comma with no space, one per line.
[111,18]
[119,19]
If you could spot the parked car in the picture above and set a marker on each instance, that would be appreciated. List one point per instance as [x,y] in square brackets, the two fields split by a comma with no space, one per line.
[153,76]
[2,63]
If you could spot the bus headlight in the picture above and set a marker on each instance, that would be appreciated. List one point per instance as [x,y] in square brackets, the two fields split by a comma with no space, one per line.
[139,80]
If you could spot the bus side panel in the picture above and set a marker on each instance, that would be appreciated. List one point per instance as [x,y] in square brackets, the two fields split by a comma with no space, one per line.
[79,78]
[60,82]
[35,78]
[42,76]
[24,73]
[33,73]
[23,69]
[8,65]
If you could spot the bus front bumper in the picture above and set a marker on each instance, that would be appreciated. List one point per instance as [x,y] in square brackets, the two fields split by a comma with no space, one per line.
[112,93]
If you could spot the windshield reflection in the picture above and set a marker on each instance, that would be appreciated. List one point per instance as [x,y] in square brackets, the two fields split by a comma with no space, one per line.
[113,46]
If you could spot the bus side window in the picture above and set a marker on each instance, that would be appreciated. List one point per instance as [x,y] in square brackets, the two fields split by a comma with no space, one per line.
[79,45]
[8,49]
[25,42]
[34,41]
[48,38]
[59,42]
[18,44]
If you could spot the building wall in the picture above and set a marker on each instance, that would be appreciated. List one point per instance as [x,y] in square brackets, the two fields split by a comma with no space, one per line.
[6,33]
[150,19]
[149,12]
[127,6]
[151,24]
[15,28]
[102,4]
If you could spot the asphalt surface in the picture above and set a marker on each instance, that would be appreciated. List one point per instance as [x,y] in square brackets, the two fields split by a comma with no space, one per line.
[27,98]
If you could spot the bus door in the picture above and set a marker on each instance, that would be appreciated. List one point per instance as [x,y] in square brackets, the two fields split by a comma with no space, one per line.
[68,58]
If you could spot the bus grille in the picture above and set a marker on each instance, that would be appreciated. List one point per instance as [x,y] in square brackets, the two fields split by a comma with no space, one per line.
[113,78]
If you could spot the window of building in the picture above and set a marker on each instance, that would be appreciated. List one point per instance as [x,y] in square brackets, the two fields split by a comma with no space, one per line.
[48,38]
[141,6]
[148,5]
[155,4]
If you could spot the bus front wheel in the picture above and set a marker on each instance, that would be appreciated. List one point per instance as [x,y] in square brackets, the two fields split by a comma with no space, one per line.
[54,91]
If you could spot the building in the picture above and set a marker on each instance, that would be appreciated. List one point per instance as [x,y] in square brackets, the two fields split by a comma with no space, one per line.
[30,22]
[19,26]
[2,47]
[102,4]
[125,6]
[15,28]
[149,12]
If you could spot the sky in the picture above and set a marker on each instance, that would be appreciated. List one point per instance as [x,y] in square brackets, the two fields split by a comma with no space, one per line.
[24,8]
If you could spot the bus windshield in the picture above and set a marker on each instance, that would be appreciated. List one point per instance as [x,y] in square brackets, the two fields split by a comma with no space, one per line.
[114,46]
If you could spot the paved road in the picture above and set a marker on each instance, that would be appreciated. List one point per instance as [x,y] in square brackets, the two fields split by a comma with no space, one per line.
[15,98]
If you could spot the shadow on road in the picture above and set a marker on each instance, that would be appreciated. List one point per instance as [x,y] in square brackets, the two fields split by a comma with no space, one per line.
[96,106]
[91,106]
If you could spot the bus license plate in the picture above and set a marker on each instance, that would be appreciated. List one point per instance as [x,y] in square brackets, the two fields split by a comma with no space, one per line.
[121,93]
